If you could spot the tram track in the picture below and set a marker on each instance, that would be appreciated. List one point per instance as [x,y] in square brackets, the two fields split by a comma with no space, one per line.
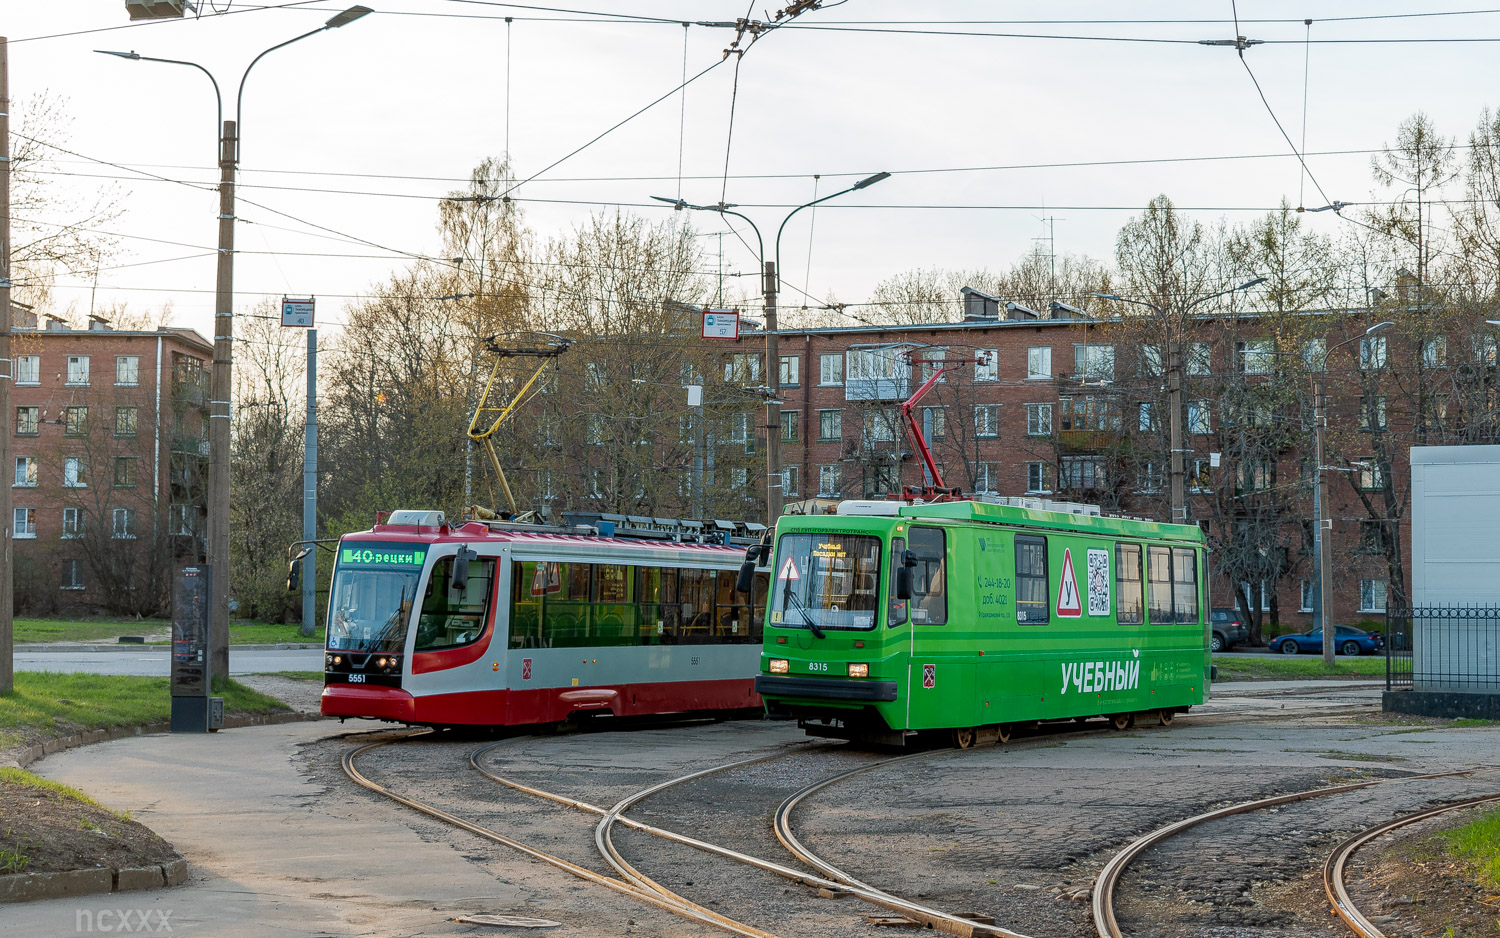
[1103,899]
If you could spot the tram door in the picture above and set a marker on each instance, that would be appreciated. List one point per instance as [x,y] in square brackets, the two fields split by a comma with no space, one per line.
[941,676]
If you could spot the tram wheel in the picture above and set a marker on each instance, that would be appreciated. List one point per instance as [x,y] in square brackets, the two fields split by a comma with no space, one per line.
[1003,733]
[963,737]
[1121,721]
[1166,717]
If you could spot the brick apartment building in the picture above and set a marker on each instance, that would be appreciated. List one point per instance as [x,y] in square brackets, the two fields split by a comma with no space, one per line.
[110,475]
[1058,405]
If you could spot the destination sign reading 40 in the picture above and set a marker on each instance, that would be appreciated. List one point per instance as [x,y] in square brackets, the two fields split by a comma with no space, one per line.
[382,557]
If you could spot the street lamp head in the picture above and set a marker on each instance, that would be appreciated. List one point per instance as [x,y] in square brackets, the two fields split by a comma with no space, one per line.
[871,180]
[676,204]
[1106,296]
[133,55]
[1493,322]
[1379,327]
[346,17]
[1250,283]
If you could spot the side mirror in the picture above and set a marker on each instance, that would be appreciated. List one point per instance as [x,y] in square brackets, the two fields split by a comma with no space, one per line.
[460,578]
[294,575]
[746,578]
[903,575]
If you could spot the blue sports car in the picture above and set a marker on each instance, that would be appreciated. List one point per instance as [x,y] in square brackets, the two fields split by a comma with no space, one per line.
[1347,641]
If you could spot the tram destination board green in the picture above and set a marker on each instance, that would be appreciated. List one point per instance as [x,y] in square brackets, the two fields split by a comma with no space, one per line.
[401,556]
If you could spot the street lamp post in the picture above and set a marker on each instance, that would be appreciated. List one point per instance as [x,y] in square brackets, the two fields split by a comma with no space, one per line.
[770,286]
[221,389]
[1174,389]
[1323,528]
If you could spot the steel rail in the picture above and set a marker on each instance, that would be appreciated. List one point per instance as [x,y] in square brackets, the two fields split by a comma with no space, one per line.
[683,908]
[1104,887]
[932,918]
[1333,868]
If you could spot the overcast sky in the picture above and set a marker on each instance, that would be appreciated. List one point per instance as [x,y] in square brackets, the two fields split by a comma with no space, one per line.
[360,130]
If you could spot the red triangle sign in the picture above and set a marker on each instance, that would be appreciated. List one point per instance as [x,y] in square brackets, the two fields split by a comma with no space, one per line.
[1068,605]
[788,571]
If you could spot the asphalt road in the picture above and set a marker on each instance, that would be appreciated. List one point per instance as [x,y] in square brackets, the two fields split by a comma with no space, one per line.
[153,662]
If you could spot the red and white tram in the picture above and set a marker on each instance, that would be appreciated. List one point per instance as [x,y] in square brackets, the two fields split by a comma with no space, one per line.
[500,623]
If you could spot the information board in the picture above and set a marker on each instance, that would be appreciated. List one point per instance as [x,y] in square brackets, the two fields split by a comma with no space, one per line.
[721,324]
[190,610]
[298,313]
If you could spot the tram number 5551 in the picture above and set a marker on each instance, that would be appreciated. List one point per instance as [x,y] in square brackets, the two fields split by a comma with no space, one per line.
[817,666]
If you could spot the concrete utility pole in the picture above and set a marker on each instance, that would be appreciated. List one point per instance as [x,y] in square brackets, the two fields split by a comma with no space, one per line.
[222,386]
[770,274]
[310,491]
[7,362]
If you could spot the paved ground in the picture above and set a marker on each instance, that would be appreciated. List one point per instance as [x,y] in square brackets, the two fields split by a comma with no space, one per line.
[281,845]
[152,660]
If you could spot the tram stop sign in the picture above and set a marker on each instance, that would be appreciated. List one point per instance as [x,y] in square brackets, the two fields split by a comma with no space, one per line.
[191,681]
[298,313]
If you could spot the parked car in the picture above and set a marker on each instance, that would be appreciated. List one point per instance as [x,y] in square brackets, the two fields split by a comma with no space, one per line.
[1228,629]
[1348,640]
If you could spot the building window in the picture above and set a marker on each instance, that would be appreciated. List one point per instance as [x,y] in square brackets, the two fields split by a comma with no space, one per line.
[931,363]
[789,481]
[1372,412]
[986,419]
[1255,356]
[124,471]
[880,426]
[739,428]
[184,518]
[1486,350]
[75,421]
[75,473]
[985,477]
[1094,362]
[25,522]
[742,368]
[873,364]
[1198,420]
[1150,477]
[1081,472]
[28,369]
[790,374]
[1306,596]
[1152,365]
[1037,478]
[73,522]
[1372,595]
[1089,412]
[934,423]
[1435,352]
[78,369]
[1146,420]
[1199,475]
[1371,536]
[987,368]
[1372,353]
[830,424]
[829,480]
[1038,419]
[927,478]
[789,421]
[72,574]
[1371,476]
[1038,362]
[26,470]
[27,420]
[739,478]
[1315,355]
[127,370]
[1256,475]
[1265,594]
[882,480]
[831,369]
[1200,359]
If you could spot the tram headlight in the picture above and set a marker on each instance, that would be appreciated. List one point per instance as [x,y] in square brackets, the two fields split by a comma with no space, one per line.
[780,666]
[859,670]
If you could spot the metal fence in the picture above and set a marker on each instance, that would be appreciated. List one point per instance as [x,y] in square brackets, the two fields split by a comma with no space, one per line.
[1452,649]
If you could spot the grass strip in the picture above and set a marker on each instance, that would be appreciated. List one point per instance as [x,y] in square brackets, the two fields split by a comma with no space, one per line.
[1288,668]
[45,704]
[109,630]
[1479,843]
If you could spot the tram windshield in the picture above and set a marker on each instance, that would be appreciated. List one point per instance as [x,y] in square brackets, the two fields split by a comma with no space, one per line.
[826,581]
[374,586]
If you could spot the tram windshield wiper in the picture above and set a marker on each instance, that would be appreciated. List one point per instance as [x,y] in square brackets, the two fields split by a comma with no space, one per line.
[791,600]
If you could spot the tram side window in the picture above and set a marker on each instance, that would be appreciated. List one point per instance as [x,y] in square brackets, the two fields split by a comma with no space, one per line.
[1159,579]
[758,611]
[1129,606]
[565,613]
[697,599]
[734,610]
[1031,580]
[451,618]
[929,581]
[896,610]
[656,589]
[614,612]
[1184,584]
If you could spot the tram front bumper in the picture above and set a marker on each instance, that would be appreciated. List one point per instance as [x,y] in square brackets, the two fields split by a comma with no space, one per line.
[825,688]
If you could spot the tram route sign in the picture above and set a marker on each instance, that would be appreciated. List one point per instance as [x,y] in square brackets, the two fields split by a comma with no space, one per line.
[721,324]
[297,313]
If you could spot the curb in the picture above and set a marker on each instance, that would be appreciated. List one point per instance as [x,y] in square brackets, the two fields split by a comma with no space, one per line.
[29,887]
[32,648]
[21,758]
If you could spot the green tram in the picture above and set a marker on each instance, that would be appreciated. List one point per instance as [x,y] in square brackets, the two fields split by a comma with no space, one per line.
[968,618]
